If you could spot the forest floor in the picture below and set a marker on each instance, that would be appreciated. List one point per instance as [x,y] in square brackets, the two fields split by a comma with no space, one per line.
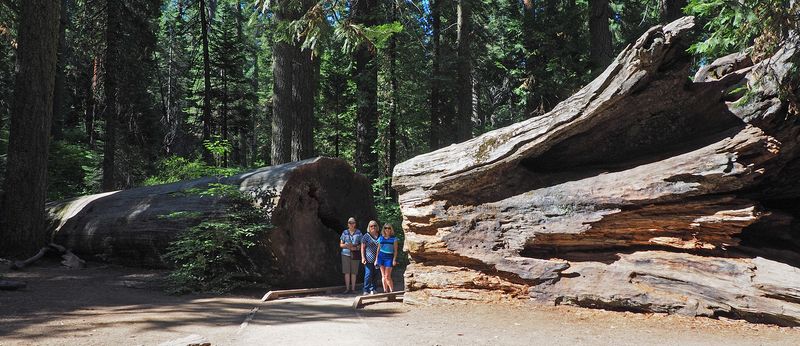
[104,304]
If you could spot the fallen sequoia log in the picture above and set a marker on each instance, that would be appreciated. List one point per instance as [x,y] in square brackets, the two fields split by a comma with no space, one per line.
[313,200]
[644,191]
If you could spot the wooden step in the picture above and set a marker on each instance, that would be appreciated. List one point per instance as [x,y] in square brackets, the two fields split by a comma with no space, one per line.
[272,295]
[390,296]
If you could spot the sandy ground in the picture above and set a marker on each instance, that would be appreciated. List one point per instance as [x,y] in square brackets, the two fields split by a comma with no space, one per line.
[107,305]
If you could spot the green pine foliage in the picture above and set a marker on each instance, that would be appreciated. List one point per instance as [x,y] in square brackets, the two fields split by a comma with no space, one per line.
[176,168]
[216,256]
[732,26]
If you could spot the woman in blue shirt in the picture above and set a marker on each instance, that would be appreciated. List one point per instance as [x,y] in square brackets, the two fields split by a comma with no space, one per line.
[387,256]
[350,243]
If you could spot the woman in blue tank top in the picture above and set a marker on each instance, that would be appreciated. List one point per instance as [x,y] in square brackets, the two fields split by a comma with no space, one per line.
[387,256]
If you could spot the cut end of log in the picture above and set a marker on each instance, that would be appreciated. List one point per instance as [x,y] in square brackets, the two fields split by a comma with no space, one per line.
[643,191]
[314,199]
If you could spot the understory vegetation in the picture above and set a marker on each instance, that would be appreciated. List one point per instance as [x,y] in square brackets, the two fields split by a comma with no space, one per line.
[217,254]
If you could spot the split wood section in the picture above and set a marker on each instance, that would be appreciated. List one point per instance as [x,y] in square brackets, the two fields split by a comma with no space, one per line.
[644,191]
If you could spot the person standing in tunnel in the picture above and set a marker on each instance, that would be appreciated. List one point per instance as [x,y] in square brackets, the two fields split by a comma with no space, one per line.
[369,253]
[387,256]
[350,243]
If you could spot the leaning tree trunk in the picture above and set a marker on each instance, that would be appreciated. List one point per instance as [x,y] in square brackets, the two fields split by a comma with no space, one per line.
[643,191]
[314,199]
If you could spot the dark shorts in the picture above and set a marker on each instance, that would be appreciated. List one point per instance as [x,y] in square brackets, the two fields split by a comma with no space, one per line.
[385,259]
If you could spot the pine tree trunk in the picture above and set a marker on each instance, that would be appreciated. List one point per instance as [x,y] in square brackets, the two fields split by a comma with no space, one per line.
[464,72]
[224,125]
[112,110]
[282,112]
[434,142]
[532,60]
[392,161]
[294,88]
[366,78]
[670,10]
[252,135]
[241,149]
[60,87]
[23,231]
[90,103]
[207,121]
[600,51]
[305,78]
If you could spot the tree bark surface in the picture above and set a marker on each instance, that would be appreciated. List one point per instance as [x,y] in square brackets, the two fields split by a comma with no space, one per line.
[205,24]
[601,50]
[23,222]
[464,71]
[643,191]
[296,75]
[314,199]
[434,130]
[365,75]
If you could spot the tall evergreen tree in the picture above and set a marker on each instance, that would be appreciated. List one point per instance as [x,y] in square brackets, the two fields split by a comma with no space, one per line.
[23,229]
[365,74]
[601,51]
[207,120]
[533,60]
[60,91]
[464,72]
[295,84]
[305,80]
[394,100]
[113,109]
[434,140]
[132,135]
[228,58]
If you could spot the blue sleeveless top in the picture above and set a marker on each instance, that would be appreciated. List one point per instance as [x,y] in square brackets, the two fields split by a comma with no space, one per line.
[387,244]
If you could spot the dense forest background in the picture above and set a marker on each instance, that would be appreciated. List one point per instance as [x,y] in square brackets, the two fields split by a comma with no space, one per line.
[154,91]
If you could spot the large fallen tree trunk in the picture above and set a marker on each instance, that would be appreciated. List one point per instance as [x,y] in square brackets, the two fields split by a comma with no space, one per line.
[313,200]
[643,191]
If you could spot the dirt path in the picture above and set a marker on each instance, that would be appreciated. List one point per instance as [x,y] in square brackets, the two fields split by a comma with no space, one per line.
[105,305]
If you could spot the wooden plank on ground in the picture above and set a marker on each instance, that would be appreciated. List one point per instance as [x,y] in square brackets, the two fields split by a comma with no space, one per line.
[272,295]
[390,296]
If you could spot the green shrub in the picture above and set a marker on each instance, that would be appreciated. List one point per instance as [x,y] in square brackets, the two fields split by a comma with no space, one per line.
[217,255]
[72,170]
[176,168]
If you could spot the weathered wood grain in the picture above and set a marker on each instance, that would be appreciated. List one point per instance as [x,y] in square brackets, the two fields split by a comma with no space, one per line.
[643,191]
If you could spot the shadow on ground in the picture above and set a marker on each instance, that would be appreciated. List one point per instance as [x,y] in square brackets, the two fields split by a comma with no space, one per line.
[103,299]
